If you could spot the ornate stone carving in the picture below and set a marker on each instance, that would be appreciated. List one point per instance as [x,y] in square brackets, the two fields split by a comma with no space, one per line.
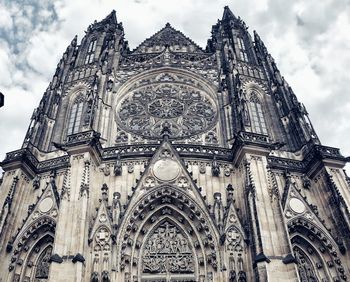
[234,240]
[210,138]
[215,168]
[305,267]
[43,265]
[167,251]
[36,182]
[121,137]
[202,168]
[118,166]
[186,110]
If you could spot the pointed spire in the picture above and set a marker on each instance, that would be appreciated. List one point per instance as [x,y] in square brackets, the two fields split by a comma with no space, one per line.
[111,18]
[228,15]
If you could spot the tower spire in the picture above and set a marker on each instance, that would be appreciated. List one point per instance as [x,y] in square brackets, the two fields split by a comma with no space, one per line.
[228,14]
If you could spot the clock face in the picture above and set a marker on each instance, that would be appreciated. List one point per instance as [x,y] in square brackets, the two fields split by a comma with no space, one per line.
[185,110]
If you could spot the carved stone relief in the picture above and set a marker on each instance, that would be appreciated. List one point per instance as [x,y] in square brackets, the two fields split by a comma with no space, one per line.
[183,109]
[43,264]
[167,251]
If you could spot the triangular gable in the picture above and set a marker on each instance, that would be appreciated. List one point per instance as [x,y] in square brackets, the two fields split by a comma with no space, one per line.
[231,218]
[46,206]
[295,205]
[168,37]
[166,167]
[102,219]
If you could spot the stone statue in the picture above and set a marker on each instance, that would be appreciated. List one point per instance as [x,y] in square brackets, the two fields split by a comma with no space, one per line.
[116,208]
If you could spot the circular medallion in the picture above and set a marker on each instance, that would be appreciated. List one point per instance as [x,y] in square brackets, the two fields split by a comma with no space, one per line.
[166,169]
[296,205]
[46,205]
[184,109]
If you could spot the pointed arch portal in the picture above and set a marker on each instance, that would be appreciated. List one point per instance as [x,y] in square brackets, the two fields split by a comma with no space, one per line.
[167,236]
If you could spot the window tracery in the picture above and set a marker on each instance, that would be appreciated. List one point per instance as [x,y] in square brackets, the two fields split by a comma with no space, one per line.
[258,123]
[75,116]
[185,110]
[242,49]
[90,52]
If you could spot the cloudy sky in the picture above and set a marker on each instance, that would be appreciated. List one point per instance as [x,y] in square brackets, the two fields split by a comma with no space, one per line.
[309,40]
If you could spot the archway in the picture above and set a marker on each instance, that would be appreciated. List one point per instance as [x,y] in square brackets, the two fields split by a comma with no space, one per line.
[183,215]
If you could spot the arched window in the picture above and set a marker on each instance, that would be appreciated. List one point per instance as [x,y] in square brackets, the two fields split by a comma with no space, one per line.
[257,117]
[75,116]
[242,49]
[90,52]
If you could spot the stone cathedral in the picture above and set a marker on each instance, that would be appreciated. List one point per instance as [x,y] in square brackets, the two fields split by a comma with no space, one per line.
[171,162]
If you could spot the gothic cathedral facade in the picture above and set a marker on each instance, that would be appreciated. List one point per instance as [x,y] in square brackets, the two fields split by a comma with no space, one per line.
[171,162]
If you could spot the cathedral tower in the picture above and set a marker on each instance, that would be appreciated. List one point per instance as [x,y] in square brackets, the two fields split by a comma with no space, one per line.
[171,162]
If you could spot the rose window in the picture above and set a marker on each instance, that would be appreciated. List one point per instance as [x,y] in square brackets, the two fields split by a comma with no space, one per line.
[184,111]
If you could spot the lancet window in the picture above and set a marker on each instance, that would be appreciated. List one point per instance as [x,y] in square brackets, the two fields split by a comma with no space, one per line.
[242,49]
[258,123]
[90,52]
[75,115]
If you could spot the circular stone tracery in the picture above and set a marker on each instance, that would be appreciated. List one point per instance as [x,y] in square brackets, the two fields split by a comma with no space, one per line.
[182,109]
[166,108]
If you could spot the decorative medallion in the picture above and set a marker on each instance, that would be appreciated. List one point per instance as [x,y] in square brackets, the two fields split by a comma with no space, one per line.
[46,205]
[297,205]
[166,169]
[182,109]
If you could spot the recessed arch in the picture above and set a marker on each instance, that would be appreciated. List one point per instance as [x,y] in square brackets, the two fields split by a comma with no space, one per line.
[29,246]
[160,202]
[314,241]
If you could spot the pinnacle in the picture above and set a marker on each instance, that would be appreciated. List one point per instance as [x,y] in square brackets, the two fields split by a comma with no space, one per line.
[111,17]
[228,14]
